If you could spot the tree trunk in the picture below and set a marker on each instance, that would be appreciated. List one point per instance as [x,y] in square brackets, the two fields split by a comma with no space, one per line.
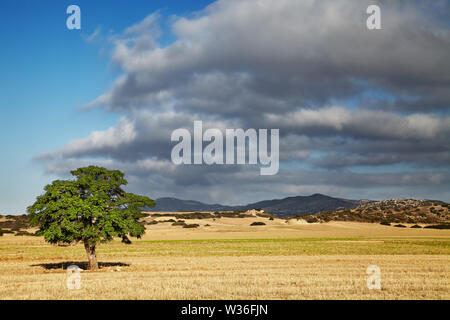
[90,251]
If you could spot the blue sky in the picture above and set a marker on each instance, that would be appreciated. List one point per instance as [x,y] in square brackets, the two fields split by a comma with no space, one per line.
[348,125]
[47,73]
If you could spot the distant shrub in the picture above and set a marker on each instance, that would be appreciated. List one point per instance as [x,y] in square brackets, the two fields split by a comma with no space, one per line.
[179,223]
[385,223]
[312,220]
[416,226]
[234,214]
[24,233]
[152,222]
[196,215]
[399,226]
[271,218]
[438,226]
[194,225]
[15,222]
[263,215]
[257,223]
[162,214]
[207,225]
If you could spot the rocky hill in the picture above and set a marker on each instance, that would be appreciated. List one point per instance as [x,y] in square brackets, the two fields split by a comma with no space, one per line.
[389,211]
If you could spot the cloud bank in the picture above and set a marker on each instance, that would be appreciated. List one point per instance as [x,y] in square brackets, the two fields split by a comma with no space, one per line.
[361,113]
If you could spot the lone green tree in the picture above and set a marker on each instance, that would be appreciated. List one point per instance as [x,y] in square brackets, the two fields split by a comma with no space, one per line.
[92,209]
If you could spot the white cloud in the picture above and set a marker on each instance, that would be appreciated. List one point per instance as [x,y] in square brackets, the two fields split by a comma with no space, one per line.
[114,137]
[363,123]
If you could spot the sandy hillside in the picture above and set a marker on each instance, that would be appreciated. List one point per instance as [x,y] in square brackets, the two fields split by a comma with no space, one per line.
[239,228]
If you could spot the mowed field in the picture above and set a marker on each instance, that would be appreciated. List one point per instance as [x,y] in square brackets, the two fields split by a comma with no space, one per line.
[227,258]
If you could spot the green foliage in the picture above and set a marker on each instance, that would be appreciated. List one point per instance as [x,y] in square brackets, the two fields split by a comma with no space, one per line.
[92,208]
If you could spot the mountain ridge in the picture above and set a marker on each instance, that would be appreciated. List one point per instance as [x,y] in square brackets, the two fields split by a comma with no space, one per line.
[288,206]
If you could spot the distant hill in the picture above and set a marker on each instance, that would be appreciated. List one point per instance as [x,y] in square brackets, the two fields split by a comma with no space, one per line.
[290,206]
[177,205]
[303,205]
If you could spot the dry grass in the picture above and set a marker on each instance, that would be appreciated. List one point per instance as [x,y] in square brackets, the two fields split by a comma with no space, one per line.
[266,277]
[276,261]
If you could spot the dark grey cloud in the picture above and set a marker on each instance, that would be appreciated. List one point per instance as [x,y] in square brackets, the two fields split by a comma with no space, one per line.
[360,112]
[243,184]
[288,53]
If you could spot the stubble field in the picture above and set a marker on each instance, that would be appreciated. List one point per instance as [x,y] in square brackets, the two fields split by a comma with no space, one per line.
[229,259]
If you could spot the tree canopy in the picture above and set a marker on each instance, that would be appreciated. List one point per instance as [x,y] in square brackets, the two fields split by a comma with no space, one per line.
[92,208]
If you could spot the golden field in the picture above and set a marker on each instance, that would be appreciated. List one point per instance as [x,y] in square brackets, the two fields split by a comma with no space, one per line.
[227,258]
